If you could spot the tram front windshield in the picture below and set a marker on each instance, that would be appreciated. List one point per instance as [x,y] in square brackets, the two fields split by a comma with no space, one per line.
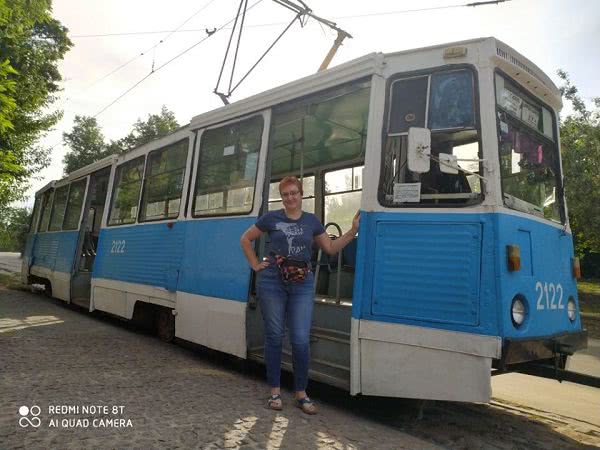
[529,159]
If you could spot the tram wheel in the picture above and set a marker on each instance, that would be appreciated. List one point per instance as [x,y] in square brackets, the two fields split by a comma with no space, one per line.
[165,325]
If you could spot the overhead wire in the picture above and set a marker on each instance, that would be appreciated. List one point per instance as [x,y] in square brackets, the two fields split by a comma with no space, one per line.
[170,33]
[355,16]
[170,61]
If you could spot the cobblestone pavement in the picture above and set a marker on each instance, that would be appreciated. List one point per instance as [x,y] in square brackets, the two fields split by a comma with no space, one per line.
[134,391]
[174,397]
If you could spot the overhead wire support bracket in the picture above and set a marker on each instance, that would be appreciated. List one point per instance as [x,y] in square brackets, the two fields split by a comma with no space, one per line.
[225,96]
[303,12]
[306,11]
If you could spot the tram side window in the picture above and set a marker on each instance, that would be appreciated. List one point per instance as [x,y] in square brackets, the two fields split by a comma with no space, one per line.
[126,193]
[74,205]
[227,167]
[46,210]
[308,198]
[163,183]
[36,215]
[325,129]
[58,208]
[342,195]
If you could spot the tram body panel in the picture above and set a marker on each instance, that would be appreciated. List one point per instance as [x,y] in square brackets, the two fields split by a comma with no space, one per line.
[147,254]
[27,257]
[195,267]
[432,300]
[545,278]
[214,285]
[214,264]
[52,258]
[433,269]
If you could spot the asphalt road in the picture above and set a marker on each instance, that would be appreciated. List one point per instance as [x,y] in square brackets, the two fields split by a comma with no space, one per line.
[10,262]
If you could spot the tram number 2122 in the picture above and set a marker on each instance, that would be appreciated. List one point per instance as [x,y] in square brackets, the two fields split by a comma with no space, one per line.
[551,293]
[118,246]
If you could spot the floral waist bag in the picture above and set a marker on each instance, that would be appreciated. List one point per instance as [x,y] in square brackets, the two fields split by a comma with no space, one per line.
[292,270]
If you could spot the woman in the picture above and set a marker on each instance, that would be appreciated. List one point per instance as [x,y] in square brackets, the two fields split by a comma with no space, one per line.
[292,233]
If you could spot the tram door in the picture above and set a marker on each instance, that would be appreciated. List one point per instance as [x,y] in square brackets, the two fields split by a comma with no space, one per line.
[88,237]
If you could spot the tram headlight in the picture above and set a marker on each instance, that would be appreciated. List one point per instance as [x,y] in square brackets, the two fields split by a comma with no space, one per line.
[571,309]
[518,311]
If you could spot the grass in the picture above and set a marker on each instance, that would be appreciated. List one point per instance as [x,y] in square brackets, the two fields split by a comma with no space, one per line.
[11,280]
[590,286]
[589,296]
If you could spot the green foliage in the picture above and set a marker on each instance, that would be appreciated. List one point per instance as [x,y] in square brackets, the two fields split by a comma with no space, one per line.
[157,125]
[580,139]
[7,92]
[86,143]
[31,46]
[14,225]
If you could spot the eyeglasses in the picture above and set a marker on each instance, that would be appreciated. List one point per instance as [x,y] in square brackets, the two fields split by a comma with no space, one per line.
[289,194]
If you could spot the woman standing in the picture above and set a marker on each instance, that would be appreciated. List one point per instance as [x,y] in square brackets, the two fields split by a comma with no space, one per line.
[286,284]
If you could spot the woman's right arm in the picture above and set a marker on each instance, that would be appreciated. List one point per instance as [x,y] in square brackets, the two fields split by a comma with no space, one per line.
[251,234]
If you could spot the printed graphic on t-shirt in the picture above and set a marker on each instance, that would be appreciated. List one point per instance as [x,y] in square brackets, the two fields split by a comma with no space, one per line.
[291,230]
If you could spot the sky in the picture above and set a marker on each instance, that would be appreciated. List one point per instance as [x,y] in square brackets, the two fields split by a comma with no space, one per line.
[137,36]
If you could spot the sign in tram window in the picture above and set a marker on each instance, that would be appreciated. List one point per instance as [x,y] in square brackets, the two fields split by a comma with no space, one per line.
[529,158]
[512,100]
[227,167]
[327,128]
[126,194]
[58,208]
[74,205]
[46,210]
[163,183]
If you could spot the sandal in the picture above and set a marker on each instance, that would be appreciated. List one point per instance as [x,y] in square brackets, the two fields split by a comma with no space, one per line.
[306,405]
[274,402]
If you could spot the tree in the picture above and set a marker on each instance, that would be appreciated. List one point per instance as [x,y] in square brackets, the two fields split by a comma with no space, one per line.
[86,143]
[31,45]
[157,125]
[580,139]
[14,224]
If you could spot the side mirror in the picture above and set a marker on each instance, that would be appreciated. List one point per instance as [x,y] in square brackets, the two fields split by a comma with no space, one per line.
[448,163]
[419,149]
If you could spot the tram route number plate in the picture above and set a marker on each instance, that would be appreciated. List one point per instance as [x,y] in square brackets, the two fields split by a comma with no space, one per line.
[549,296]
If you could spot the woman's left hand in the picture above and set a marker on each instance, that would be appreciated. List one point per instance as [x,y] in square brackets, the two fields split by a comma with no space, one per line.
[355,222]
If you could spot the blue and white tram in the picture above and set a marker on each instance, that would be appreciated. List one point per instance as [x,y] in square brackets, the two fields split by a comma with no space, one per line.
[464,259]
[61,243]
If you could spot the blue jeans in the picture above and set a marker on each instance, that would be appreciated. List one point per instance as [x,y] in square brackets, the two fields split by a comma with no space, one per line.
[280,301]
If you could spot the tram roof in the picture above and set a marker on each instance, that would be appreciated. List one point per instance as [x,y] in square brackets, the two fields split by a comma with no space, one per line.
[367,65]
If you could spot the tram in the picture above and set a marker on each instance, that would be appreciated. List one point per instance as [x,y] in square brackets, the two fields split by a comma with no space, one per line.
[463,265]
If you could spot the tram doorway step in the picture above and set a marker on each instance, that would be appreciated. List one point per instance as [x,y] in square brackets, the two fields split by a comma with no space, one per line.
[330,357]
[83,302]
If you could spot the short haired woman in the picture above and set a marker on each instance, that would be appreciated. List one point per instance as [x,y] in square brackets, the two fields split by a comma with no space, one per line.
[292,234]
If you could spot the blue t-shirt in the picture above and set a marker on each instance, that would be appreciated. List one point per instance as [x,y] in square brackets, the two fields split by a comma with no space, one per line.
[289,237]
